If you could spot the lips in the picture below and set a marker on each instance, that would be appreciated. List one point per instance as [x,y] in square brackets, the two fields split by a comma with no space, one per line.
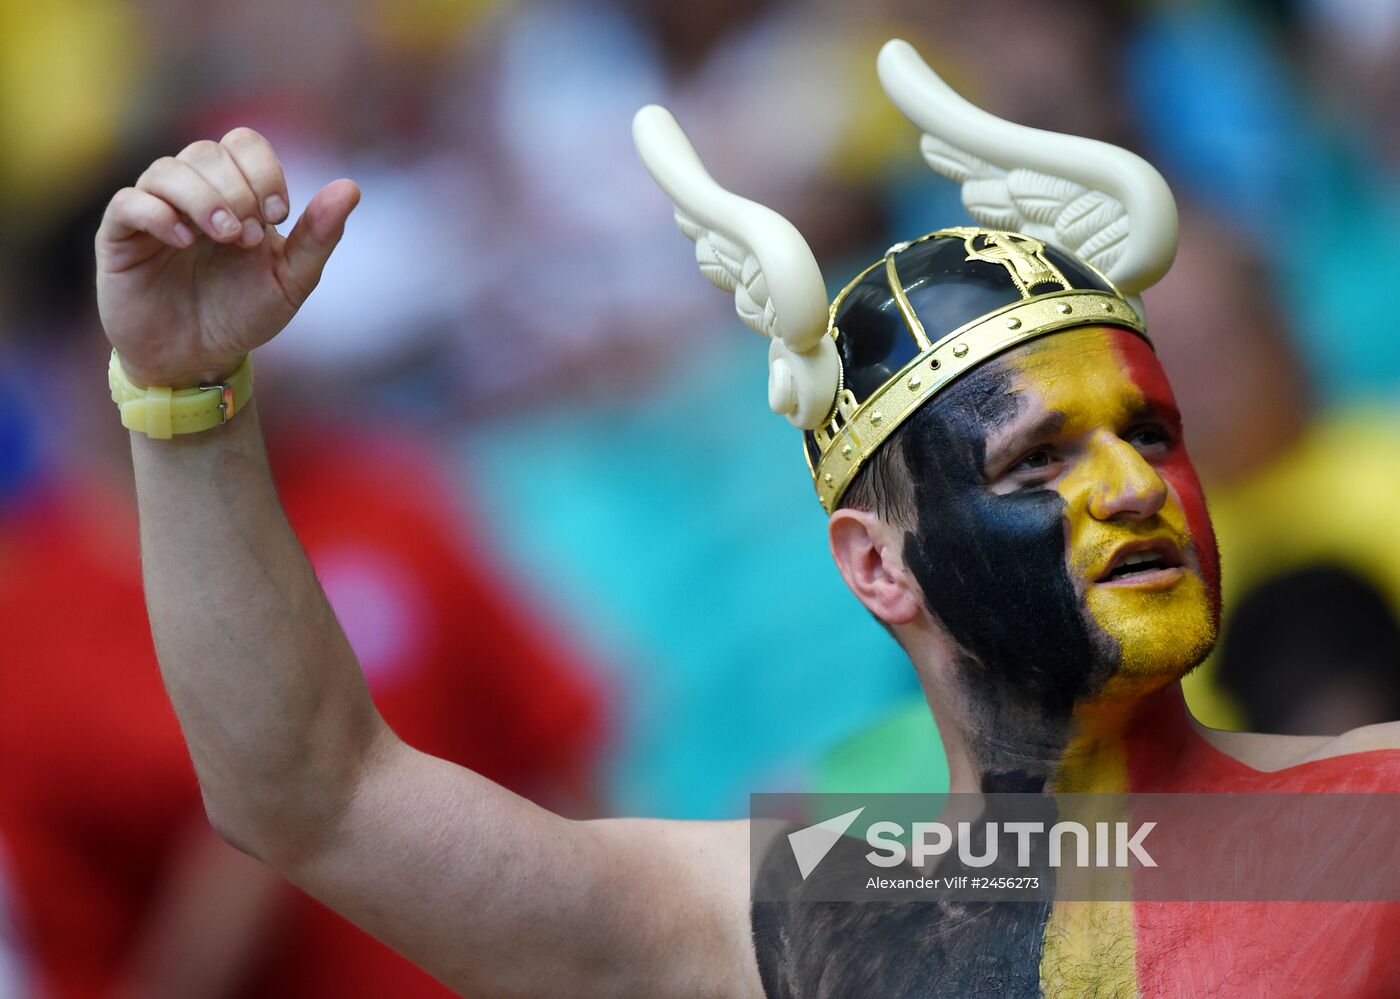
[1151,562]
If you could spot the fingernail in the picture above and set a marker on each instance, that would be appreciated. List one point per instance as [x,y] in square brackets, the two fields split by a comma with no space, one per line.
[252,233]
[224,223]
[183,234]
[274,208]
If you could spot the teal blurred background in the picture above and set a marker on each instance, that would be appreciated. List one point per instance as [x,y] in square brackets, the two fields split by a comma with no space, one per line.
[528,448]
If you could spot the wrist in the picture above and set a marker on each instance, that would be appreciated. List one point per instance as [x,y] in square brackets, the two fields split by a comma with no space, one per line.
[164,411]
[188,378]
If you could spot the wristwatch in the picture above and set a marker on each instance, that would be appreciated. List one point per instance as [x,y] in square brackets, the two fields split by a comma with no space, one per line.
[162,412]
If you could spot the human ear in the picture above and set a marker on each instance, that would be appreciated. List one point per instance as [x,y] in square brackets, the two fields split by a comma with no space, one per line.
[868,552]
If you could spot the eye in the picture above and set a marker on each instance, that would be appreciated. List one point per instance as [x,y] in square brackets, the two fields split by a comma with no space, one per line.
[1150,437]
[1039,458]
[1034,468]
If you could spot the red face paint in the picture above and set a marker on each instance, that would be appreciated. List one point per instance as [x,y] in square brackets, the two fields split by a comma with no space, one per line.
[1146,373]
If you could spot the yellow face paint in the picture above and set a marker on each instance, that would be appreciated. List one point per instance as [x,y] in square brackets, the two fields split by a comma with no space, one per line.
[1061,541]
[1120,491]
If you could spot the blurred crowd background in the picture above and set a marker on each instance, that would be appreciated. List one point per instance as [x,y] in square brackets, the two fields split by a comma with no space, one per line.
[527,447]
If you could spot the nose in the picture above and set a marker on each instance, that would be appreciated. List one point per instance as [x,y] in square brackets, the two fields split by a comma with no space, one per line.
[1128,487]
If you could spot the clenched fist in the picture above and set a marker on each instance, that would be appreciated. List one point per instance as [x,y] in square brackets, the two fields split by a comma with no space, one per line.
[191,274]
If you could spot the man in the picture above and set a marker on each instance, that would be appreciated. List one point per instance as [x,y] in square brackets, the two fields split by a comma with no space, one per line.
[1015,505]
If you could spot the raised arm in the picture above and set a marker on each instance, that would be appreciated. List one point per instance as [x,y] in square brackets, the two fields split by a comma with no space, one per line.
[487,891]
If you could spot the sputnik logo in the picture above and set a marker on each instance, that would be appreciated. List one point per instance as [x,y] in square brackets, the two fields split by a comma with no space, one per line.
[933,839]
[810,845]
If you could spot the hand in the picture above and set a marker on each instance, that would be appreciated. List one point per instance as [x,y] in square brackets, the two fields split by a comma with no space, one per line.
[191,274]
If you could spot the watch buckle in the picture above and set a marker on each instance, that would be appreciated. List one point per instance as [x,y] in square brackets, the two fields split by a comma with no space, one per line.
[227,409]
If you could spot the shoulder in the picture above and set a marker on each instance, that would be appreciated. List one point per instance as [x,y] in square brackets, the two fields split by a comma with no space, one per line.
[1262,751]
[1383,740]
[1363,760]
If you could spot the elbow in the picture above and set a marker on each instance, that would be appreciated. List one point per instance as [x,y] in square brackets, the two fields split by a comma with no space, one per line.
[283,840]
[284,820]
[235,833]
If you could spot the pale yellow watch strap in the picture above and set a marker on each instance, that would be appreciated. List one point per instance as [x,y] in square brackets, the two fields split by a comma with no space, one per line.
[162,412]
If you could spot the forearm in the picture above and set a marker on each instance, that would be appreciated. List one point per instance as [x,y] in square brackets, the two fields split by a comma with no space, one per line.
[269,694]
[485,889]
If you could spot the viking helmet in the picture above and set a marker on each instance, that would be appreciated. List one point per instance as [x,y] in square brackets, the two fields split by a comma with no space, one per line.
[1072,230]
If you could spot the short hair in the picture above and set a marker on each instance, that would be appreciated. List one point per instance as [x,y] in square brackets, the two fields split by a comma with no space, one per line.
[882,486]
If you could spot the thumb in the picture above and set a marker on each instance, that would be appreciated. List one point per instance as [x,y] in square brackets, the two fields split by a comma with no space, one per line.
[317,232]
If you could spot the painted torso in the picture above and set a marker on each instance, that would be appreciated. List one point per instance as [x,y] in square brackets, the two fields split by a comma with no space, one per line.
[1069,578]
[1260,948]
[1186,949]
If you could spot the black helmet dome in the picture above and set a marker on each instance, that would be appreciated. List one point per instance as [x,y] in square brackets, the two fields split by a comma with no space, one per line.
[932,309]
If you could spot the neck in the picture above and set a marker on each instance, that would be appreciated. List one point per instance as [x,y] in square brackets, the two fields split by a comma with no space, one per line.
[1014,749]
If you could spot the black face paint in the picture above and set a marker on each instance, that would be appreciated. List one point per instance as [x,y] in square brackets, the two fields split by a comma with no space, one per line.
[881,948]
[993,570]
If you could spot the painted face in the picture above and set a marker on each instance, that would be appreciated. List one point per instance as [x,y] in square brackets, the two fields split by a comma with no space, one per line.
[1062,535]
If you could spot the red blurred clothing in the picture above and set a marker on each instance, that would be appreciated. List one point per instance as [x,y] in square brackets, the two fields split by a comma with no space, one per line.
[95,782]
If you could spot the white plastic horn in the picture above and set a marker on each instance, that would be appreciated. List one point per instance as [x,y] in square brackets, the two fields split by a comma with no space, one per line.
[1089,198]
[754,252]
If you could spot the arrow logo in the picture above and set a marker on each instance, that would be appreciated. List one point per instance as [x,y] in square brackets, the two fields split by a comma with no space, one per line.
[810,845]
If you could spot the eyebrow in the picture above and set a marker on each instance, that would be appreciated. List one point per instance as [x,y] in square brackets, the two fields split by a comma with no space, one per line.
[1005,440]
[1155,409]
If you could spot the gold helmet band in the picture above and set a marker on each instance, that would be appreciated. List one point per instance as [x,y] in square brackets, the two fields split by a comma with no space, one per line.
[1043,301]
